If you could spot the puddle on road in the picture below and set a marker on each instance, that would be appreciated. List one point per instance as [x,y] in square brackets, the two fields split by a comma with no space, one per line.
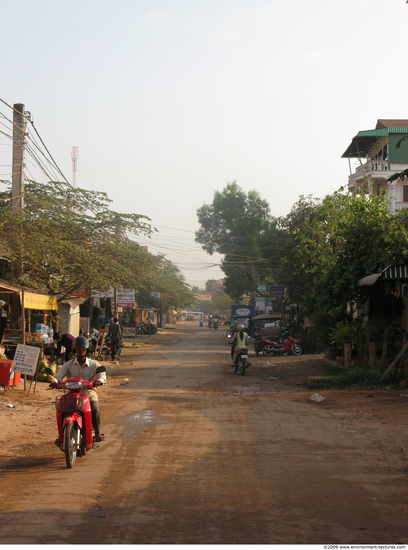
[137,421]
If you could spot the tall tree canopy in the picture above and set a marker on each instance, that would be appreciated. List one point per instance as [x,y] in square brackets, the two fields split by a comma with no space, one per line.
[67,239]
[328,245]
[239,226]
[174,292]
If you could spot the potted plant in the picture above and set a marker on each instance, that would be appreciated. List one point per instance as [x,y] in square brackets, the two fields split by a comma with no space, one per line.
[341,334]
[323,325]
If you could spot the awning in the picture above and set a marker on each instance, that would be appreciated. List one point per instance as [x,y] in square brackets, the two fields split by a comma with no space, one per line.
[395,272]
[362,143]
[39,301]
[8,289]
[364,140]
[369,280]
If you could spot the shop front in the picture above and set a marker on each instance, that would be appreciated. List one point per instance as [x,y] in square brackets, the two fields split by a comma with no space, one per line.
[26,318]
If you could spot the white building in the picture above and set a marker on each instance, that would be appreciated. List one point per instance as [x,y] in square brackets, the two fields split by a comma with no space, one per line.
[380,153]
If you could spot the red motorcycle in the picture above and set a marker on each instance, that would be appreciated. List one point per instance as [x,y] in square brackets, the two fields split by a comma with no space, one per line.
[74,418]
[283,347]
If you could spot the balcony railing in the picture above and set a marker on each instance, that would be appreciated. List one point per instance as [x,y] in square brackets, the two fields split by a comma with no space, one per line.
[372,166]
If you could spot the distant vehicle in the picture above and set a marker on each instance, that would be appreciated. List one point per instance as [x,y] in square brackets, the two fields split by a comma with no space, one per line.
[194,315]
[268,326]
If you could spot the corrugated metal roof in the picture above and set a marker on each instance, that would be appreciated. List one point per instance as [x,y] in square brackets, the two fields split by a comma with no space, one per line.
[402,130]
[382,132]
[391,123]
[369,133]
[395,272]
[364,140]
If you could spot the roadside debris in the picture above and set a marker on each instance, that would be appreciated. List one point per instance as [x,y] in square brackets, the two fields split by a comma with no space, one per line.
[317,398]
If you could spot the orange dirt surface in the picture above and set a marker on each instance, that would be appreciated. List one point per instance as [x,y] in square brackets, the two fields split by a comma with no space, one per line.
[195,454]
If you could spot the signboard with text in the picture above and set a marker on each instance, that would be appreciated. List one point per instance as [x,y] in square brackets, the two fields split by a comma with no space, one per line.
[277,290]
[244,311]
[128,332]
[125,297]
[26,359]
[108,294]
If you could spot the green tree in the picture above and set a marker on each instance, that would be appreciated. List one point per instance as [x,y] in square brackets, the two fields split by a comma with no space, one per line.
[328,245]
[174,292]
[239,226]
[67,239]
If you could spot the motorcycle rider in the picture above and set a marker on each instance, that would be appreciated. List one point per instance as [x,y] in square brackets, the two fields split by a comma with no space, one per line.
[83,367]
[240,341]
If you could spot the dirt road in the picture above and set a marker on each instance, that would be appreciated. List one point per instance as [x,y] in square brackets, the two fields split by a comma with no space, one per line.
[196,454]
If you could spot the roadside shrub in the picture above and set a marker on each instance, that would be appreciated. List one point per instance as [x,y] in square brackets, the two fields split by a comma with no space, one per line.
[356,377]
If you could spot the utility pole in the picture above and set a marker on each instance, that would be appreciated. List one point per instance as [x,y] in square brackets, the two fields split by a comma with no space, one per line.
[17,178]
[17,193]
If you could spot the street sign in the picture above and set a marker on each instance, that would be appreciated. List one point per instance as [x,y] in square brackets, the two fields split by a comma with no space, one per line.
[277,290]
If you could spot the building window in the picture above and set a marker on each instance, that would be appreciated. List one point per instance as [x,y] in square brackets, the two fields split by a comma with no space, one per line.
[405,193]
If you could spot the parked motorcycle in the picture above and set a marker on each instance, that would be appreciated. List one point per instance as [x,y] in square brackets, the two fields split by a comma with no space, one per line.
[270,347]
[242,361]
[93,342]
[74,418]
[107,349]
[146,330]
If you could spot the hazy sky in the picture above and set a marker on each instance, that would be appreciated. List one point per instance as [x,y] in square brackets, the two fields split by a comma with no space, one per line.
[168,101]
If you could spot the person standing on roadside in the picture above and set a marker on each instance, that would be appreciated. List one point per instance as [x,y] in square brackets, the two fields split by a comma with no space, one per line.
[115,335]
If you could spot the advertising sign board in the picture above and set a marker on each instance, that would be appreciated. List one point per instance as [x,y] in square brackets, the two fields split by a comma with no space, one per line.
[125,297]
[244,311]
[128,332]
[108,294]
[26,359]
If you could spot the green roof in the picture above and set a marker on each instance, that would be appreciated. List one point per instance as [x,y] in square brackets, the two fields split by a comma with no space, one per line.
[365,139]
